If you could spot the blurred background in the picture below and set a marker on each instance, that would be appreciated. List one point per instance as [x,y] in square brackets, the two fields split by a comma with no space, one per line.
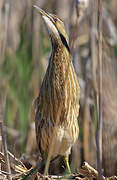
[25,48]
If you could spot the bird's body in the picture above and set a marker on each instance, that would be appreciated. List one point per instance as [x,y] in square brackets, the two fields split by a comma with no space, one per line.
[57,106]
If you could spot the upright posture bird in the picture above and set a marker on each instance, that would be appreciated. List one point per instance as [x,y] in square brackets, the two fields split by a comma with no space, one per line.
[57,106]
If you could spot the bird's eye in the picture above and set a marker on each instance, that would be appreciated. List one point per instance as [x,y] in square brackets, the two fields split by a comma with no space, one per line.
[55,19]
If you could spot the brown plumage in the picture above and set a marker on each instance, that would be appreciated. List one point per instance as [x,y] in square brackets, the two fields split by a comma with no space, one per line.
[57,106]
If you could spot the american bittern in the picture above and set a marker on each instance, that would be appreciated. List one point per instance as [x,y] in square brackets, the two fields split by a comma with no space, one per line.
[57,106]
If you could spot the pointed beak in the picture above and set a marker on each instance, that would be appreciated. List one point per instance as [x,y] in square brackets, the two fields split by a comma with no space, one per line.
[50,22]
[44,14]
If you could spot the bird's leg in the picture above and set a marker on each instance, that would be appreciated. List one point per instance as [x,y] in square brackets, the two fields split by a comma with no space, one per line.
[66,160]
[45,159]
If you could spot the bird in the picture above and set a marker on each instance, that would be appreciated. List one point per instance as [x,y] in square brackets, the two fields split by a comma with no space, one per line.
[57,105]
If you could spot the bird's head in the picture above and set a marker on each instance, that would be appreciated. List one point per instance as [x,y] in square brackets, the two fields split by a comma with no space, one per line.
[55,27]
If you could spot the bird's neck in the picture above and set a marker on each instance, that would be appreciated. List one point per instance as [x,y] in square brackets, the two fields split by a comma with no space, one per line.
[60,53]
[59,60]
